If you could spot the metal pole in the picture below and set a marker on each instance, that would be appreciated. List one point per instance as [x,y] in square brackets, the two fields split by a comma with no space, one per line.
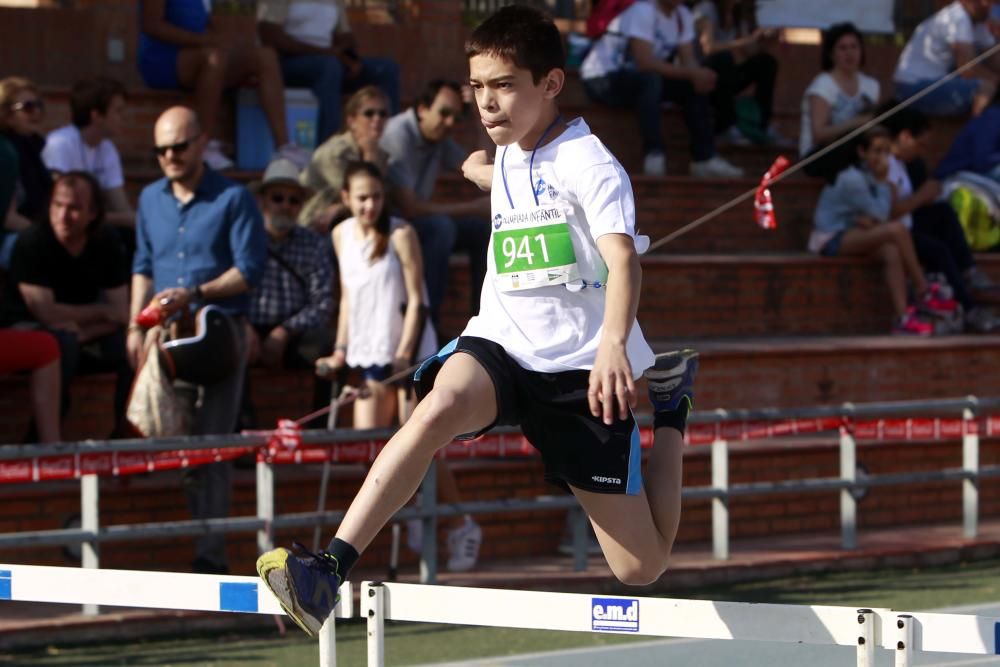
[970,485]
[324,482]
[904,640]
[328,642]
[428,504]
[90,521]
[265,505]
[866,638]
[375,593]
[720,504]
[848,505]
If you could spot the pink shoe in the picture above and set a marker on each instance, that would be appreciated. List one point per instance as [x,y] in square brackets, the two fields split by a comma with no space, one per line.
[911,325]
[937,302]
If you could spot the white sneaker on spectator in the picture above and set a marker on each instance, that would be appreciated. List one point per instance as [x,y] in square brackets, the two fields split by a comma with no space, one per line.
[715,167]
[214,157]
[463,546]
[654,164]
[293,153]
[734,137]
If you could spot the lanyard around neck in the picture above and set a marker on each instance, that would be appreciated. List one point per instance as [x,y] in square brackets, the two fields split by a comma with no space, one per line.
[531,164]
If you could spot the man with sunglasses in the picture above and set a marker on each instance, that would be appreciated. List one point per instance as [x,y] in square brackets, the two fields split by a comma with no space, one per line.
[199,239]
[420,146]
[290,310]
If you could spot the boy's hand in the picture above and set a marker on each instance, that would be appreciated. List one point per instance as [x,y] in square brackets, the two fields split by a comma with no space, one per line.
[610,381]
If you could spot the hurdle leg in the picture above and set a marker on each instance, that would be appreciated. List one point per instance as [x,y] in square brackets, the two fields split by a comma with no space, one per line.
[373,599]
[328,642]
[90,520]
[866,638]
[904,640]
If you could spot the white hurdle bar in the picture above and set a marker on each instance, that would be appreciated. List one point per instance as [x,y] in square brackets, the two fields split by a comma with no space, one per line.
[903,633]
[159,590]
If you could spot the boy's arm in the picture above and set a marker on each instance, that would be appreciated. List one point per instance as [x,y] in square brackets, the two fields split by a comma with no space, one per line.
[611,378]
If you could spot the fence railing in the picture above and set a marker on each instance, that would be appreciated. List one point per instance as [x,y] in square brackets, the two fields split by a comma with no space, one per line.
[937,417]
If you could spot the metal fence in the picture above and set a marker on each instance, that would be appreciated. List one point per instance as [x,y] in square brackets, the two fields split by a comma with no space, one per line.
[847,484]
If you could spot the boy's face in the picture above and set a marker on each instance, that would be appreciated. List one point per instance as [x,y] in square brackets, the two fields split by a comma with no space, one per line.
[512,107]
[876,156]
[907,147]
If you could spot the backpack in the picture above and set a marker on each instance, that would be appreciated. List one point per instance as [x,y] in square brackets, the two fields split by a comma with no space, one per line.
[601,15]
[975,200]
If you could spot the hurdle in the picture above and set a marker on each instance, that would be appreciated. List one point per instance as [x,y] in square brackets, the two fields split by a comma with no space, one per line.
[867,629]
[159,590]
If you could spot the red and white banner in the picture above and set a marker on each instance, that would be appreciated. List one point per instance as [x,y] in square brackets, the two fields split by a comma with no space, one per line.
[285,446]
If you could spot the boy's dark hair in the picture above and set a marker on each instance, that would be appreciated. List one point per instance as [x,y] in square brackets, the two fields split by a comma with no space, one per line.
[912,120]
[433,87]
[523,35]
[383,224]
[865,140]
[93,95]
[831,36]
[71,179]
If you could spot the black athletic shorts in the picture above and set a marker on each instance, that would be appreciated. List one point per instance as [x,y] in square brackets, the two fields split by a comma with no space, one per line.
[577,448]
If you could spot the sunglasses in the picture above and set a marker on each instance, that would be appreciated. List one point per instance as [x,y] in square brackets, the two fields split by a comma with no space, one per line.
[278,199]
[28,106]
[448,112]
[371,113]
[178,148]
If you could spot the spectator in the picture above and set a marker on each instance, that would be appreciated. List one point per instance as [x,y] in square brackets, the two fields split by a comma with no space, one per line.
[70,276]
[178,48]
[382,329]
[199,238]
[419,147]
[647,57]
[839,100]
[853,218]
[941,43]
[937,233]
[734,49]
[366,111]
[21,113]
[36,352]
[380,272]
[317,50]
[976,148]
[98,108]
[291,309]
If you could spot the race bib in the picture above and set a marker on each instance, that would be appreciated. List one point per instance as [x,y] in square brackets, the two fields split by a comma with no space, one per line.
[533,248]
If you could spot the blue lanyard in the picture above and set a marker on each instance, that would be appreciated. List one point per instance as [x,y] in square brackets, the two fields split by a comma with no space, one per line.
[531,164]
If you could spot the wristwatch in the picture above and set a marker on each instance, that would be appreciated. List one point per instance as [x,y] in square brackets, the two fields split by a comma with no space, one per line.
[195,293]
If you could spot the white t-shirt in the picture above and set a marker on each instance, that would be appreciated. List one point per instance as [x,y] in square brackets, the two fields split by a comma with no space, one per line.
[311,22]
[643,20]
[899,177]
[65,150]
[843,107]
[929,56]
[552,329]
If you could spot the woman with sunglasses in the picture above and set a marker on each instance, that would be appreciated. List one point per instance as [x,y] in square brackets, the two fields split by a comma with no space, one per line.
[21,114]
[366,114]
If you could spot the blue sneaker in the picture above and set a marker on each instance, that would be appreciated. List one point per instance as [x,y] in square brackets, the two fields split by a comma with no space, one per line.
[308,587]
[671,380]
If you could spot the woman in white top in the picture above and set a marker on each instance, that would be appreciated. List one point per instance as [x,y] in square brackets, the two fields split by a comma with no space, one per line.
[837,101]
[382,327]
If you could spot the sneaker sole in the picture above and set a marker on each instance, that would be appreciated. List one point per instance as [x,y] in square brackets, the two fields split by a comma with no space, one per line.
[686,355]
[271,567]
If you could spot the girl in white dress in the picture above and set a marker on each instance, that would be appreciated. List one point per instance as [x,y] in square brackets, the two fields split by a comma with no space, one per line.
[382,327]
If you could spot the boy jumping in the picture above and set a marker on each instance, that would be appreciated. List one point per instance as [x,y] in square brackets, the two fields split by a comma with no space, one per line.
[555,347]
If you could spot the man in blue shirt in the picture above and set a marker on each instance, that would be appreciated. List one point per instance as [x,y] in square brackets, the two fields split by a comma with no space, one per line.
[199,238]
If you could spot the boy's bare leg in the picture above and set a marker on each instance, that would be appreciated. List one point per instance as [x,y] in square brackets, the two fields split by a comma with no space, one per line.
[463,401]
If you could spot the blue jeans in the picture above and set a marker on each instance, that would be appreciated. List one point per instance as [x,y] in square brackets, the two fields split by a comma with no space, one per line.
[952,99]
[645,92]
[440,235]
[324,75]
